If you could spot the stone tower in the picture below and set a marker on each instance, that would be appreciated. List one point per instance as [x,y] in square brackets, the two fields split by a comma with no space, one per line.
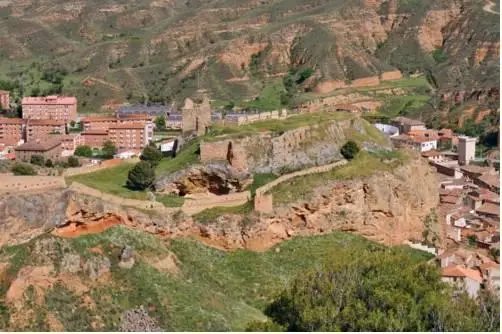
[196,117]
[466,149]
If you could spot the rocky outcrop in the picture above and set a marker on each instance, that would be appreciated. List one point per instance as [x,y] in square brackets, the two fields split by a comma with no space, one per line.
[219,179]
[387,207]
[294,149]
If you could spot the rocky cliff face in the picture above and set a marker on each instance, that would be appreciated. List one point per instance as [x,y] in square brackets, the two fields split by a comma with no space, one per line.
[387,207]
[306,146]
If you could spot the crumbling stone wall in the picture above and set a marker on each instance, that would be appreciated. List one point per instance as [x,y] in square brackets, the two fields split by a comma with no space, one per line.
[264,202]
[329,86]
[228,150]
[196,117]
[391,75]
[13,183]
[365,82]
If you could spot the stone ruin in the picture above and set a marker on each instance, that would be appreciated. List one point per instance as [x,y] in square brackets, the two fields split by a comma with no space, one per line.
[196,116]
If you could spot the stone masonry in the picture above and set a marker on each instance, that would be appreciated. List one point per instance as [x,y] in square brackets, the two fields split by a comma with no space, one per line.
[196,117]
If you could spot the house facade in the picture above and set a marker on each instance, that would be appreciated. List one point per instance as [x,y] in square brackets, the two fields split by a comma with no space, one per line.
[44,128]
[49,149]
[11,131]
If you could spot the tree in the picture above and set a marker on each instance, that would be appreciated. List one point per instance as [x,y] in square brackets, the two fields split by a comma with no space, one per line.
[23,169]
[38,160]
[151,154]
[376,290]
[109,149]
[72,124]
[141,176]
[83,151]
[73,162]
[48,163]
[160,122]
[349,150]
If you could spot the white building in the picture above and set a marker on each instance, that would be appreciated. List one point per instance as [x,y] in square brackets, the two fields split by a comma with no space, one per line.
[463,278]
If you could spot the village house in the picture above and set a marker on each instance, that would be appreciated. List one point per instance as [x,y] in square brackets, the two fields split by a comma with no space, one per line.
[11,131]
[433,155]
[490,210]
[4,99]
[174,121]
[491,275]
[406,125]
[70,142]
[44,128]
[474,199]
[463,279]
[62,108]
[49,149]
[417,143]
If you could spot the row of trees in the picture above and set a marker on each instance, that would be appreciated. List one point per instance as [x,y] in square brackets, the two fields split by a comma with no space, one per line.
[108,151]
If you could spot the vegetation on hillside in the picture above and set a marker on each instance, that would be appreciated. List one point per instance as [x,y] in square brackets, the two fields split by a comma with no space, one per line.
[378,291]
[203,289]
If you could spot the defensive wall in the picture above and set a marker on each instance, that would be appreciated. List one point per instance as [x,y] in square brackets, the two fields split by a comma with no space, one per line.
[96,167]
[264,202]
[251,118]
[200,202]
[372,81]
[226,149]
[12,183]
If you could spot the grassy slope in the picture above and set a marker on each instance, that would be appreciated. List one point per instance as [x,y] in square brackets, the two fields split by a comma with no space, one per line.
[215,290]
[365,164]
[113,180]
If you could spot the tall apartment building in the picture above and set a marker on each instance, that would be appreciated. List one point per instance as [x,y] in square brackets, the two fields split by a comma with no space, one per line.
[94,138]
[4,99]
[128,136]
[61,108]
[11,131]
[44,128]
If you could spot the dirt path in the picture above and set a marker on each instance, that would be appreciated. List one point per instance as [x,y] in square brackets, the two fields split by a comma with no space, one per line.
[489,7]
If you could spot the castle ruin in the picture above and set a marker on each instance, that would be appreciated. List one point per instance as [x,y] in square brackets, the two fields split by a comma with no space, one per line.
[196,117]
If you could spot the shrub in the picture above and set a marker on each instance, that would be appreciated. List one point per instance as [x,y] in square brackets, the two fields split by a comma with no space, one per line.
[109,149]
[48,163]
[83,151]
[141,176]
[160,122]
[151,154]
[37,160]
[23,169]
[73,162]
[349,150]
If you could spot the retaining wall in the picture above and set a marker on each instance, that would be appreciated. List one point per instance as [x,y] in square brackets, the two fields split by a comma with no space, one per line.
[94,168]
[391,75]
[264,201]
[421,247]
[365,82]
[13,183]
[200,203]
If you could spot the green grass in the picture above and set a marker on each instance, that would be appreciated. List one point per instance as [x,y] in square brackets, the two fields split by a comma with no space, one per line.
[214,290]
[260,180]
[112,180]
[210,215]
[269,98]
[275,126]
[364,165]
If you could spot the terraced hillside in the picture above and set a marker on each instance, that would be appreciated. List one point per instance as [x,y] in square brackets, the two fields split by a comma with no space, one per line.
[158,50]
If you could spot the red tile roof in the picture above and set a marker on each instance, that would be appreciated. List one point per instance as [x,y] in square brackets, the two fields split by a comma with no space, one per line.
[39,145]
[431,153]
[10,156]
[489,208]
[127,126]
[458,271]
[490,265]
[99,119]
[52,99]
[44,122]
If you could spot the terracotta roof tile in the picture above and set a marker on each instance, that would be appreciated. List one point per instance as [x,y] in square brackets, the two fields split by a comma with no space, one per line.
[458,271]
[52,99]
[37,145]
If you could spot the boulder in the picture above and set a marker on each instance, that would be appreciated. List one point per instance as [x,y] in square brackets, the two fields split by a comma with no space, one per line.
[126,257]
[138,320]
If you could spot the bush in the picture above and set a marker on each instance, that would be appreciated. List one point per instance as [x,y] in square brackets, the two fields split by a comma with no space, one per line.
[48,163]
[109,149]
[377,291]
[151,154]
[37,160]
[141,176]
[23,169]
[349,150]
[160,122]
[73,162]
[83,151]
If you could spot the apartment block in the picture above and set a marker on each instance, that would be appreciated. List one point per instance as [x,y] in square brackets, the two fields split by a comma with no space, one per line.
[94,138]
[129,136]
[71,141]
[4,99]
[11,131]
[54,107]
[44,128]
